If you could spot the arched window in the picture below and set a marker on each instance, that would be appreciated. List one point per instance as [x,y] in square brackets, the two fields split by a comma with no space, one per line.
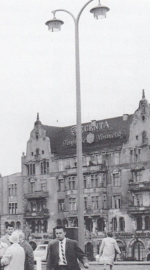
[114,224]
[39,226]
[18,225]
[121,224]
[65,222]
[59,222]
[138,251]
[37,152]
[144,137]
[116,178]
[13,223]
[147,223]
[76,222]
[6,223]
[33,226]
[100,225]
[45,226]
[139,223]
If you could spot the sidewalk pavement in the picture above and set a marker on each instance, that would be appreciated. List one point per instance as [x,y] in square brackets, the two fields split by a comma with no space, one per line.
[117,266]
[122,266]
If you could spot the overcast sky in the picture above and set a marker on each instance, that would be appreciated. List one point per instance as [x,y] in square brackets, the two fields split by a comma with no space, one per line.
[37,67]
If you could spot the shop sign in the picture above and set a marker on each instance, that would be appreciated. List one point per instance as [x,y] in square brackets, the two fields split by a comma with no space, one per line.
[91,138]
[93,126]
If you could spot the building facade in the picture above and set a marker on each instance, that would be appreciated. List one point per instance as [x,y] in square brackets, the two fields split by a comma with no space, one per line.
[116,177]
[11,206]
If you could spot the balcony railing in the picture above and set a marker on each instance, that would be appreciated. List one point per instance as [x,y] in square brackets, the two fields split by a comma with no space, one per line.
[88,168]
[132,209]
[139,186]
[37,214]
[36,194]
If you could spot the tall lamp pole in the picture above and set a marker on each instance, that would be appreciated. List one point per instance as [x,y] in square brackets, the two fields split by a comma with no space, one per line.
[55,25]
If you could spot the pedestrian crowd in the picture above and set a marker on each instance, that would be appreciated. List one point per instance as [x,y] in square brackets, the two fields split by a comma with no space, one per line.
[15,252]
[62,253]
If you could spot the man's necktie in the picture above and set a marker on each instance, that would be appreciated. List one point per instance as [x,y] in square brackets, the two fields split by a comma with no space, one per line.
[63,253]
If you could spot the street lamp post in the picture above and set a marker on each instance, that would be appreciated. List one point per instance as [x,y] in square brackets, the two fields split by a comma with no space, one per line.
[55,25]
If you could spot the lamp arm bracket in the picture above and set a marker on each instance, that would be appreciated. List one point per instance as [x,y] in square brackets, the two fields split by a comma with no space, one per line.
[78,17]
[64,10]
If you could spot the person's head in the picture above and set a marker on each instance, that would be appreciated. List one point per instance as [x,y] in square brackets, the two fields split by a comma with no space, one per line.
[60,232]
[14,238]
[109,234]
[21,236]
[9,228]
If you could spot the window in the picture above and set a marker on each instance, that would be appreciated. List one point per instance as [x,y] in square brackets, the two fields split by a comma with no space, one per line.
[122,224]
[60,184]
[138,200]
[18,225]
[33,206]
[15,189]
[116,179]
[116,201]
[137,176]
[72,204]
[85,203]
[95,202]
[45,226]
[42,151]
[85,181]
[44,167]
[39,226]
[12,190]
[37,136]
[31,169]
[104,201]
[94,181]
[72,182]
[100,224]
[139,223]
[61,165]
[31,153]
[144,137]
[116,158]
[32,187]
[33,226]
[61,205]
[43,186]
[13,208]
[131,156]
[114,224]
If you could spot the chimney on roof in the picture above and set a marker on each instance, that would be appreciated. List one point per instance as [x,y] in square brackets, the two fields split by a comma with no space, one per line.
[143,94]
[125,117]
[93,122]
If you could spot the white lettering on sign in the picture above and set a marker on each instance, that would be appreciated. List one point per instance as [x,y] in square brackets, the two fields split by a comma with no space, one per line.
[98,137]
[108,136]
[91,127]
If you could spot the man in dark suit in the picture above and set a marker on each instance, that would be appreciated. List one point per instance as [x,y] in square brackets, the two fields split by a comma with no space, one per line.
[64,253]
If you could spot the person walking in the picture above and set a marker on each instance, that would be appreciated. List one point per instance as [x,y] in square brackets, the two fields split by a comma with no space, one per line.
[14,257]
[29,257]
[3,247]
[64,253]
[6,237]
[107,250]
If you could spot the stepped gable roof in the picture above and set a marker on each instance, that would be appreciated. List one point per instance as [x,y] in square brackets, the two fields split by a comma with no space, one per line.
[97,136]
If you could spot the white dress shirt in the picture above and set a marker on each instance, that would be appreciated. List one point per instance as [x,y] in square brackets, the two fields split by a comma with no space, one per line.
[60,253]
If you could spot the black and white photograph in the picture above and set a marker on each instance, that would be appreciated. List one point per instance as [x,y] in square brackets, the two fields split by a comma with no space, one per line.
[75,135]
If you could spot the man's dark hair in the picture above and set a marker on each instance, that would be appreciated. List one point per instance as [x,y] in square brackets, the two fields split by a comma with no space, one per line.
[60,227]
[109,234]
[9,225]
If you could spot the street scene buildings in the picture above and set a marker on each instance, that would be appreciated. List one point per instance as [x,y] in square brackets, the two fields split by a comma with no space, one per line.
[116,177]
